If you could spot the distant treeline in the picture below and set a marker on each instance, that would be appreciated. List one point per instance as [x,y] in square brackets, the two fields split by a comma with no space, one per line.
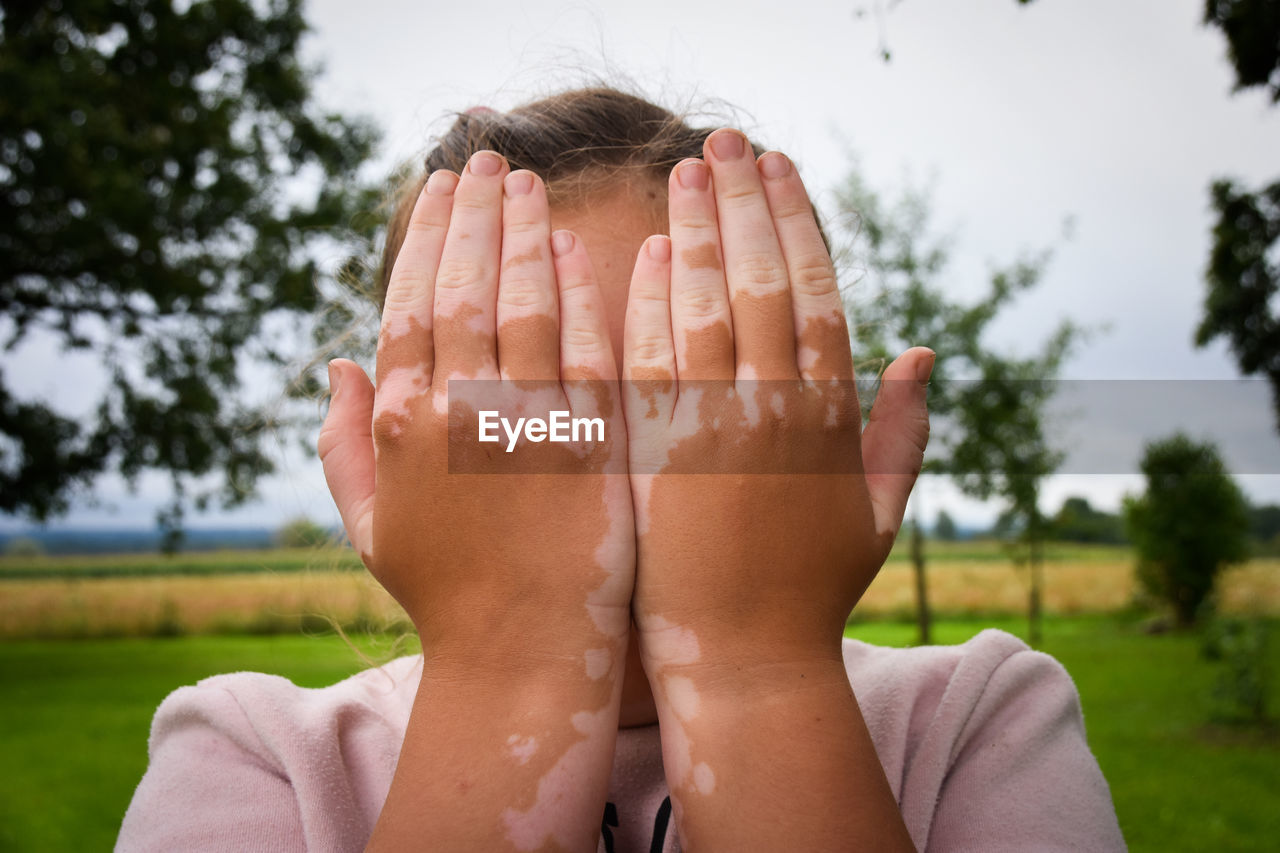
[1077,521]
[138,541]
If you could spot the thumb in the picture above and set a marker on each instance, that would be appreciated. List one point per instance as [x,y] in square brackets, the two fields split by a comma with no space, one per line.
[893,442]
[346,452]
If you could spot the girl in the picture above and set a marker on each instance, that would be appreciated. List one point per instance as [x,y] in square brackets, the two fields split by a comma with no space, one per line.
[632,642]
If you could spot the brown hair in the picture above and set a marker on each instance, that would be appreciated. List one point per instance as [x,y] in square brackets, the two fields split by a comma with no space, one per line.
[577,141]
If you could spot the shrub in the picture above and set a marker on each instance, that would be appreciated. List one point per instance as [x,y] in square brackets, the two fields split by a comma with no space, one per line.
[1190,524]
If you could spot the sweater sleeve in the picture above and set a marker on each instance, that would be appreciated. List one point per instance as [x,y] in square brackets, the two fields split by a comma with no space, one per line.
[1021,775]
[248,761]
[210,783]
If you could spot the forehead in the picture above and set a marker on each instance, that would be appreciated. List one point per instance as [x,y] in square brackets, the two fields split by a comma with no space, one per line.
[614,222]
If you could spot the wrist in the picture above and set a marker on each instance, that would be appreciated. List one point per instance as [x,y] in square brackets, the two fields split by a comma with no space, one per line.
[743,679]
[527,648]
[584,666]
[734,659]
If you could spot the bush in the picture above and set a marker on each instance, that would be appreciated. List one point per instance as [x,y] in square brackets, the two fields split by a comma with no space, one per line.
[1191,523]
[23,546]
[1240,691]
[301,533]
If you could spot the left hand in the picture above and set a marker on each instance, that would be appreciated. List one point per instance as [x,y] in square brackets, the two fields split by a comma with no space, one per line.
[763,511]
[739,353]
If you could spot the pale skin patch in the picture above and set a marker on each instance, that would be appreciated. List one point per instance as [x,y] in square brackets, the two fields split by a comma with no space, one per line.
[677,751]
[728,427]
[669,646]
[832,418]
[544,823]
[400,324]
[599,662]
[778,406]
[400,386]
[807,358]
[641,490]
[613,554]
[651,385]
[683,697]
[822,347]
[704,779]
[522,748]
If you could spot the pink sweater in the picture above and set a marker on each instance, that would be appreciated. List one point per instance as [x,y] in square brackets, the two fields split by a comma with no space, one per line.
[983,744]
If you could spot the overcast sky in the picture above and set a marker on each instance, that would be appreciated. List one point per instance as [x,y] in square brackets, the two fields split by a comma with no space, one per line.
[1114,115]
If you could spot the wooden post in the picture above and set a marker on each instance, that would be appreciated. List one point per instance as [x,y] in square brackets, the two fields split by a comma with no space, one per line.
[922,589]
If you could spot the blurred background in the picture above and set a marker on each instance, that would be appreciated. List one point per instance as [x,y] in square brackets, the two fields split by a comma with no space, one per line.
[1077,205]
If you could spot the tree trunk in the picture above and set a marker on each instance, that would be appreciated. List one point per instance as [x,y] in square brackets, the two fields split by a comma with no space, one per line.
[922,590]
[1037,584]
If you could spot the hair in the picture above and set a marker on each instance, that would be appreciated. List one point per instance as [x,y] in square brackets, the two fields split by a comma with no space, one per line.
[578,142]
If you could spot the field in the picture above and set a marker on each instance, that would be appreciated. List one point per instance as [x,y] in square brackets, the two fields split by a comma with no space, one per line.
[288,591]
[80,676]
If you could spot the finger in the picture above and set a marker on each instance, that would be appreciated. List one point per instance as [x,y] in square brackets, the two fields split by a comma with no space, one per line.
[346,452]
[466,291]
[756,272]
[701,324]
[586,352]
[405,341]
[527,314]
[648,352]
[821,330]
[894,441]
[648,347]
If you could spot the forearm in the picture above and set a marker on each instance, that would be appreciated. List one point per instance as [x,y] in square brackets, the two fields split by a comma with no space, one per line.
[773,758]
[517,762]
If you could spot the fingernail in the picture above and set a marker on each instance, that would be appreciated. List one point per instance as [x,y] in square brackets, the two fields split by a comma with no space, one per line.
[441,182]
[774,165]
[728,144]
[924,367]
[659,248]
[562,243]
[335,377]
[693,175]
[518,183]
[485,163]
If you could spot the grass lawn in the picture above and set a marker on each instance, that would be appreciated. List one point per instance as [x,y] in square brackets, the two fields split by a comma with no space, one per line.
[74,717]
[1178,782]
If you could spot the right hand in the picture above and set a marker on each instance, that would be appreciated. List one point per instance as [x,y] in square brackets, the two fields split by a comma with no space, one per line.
[504,566]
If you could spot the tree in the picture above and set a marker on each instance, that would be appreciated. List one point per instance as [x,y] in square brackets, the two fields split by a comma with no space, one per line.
[990,405]
[1243,278]
[1252,29]
[24,547]
[1242,272]
[301,532]
[1001,448]
[1191,523]
[1077,521]
[165,182]
[1264,523]
[944,527]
